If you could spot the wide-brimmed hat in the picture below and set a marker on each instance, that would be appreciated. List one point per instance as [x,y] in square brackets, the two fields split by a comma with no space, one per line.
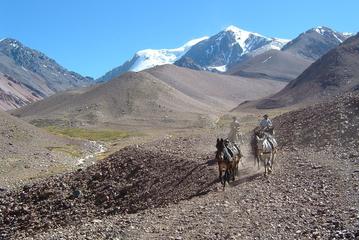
[265,115]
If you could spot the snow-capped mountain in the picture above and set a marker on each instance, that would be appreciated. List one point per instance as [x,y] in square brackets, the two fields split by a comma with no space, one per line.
[149,58]
[315,42]
[214,53]
[227,48]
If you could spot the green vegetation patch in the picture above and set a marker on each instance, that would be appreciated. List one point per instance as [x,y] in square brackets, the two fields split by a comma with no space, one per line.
[68,149]
[90,134]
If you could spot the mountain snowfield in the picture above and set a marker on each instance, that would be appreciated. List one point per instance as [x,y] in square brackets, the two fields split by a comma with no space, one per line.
[149,58]
[248,42]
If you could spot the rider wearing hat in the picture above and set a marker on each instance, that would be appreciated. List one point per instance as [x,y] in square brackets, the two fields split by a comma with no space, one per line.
[266,126]
[266,123]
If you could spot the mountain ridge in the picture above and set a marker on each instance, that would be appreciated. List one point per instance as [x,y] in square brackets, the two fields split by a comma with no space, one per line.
[34,73]
[289,62]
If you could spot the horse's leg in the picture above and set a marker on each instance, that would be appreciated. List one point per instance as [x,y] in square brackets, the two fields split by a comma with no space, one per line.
[273,157]
[236,165]
[229,176]
[220,172]
[226,178]
[265,165]
[221,177]
[233,171]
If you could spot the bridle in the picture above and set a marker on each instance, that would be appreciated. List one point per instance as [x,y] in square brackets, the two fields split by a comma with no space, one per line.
[220,155]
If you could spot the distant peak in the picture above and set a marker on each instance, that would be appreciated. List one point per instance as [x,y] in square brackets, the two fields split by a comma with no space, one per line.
[12,42]
[322,29]
[235,29]
[9,40]
[232,28]
[239,31]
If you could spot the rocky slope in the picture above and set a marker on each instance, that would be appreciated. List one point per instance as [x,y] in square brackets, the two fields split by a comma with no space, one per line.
[36,74]
[14,94]
[332,123]
[148,177]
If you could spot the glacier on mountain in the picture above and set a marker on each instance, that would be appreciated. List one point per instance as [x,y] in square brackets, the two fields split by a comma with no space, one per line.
[151,57]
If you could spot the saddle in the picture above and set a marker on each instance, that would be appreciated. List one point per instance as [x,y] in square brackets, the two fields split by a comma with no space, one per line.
[232,150]
[271,139]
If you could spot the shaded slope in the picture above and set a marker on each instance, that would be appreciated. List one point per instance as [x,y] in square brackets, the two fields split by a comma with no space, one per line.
[333,123]
[273,64]
[334,73]
[14,94]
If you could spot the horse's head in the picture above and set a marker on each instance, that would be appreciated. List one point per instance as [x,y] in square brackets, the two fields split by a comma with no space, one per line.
[260,142]
[220,144]
[220,147]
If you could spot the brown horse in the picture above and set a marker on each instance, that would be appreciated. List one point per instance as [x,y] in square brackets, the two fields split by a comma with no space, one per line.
[227,164]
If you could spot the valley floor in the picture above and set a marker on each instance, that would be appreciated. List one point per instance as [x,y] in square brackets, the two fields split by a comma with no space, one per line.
[309,195]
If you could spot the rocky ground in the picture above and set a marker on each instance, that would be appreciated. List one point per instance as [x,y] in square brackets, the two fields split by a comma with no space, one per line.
[133,179]
[310,195]
[167,189]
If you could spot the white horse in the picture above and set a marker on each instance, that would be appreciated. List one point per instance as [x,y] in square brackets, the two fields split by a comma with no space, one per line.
[266,151]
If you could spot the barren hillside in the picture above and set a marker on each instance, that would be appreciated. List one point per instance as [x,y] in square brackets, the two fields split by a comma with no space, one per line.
[28,153]
[166,93]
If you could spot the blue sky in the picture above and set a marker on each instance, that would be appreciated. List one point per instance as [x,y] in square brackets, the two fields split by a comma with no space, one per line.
[94,36]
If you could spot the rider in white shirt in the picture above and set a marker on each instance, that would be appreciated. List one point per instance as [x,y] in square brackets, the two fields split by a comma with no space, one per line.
[266,123]
[234,135]
[234,132]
